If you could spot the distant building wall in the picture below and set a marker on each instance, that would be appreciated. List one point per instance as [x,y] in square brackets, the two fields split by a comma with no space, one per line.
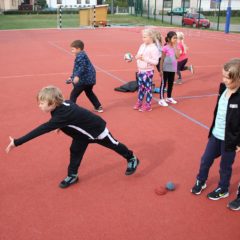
[73,3]
[9,5]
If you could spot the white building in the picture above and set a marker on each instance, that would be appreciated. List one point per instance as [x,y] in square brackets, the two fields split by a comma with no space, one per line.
[9,5]
[70,3]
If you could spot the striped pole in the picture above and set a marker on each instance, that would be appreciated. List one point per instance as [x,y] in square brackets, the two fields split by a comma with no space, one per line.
[60,17]
[94,16]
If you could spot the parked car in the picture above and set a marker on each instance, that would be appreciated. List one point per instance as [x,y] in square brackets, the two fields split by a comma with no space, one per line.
[177,11]
[195,20]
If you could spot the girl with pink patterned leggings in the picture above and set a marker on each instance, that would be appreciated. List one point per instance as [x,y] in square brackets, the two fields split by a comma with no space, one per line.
[147,58]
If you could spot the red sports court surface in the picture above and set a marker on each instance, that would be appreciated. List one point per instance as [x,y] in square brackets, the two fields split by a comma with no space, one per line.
[169,142]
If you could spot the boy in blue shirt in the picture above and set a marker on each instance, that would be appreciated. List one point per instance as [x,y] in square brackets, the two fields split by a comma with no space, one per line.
[83,76]
[224,134]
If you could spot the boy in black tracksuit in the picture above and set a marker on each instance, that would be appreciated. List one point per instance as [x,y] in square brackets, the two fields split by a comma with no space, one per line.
[224,134]
[81,125]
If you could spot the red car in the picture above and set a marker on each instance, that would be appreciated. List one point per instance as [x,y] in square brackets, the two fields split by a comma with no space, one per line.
[195,20]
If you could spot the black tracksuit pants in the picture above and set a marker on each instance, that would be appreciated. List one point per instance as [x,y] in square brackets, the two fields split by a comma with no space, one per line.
[88,89]
[79,146]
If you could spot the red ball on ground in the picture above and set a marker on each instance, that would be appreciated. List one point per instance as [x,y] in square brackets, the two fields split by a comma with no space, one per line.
[160,190]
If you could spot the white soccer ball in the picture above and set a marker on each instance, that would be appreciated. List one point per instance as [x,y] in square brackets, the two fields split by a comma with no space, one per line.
[128,57]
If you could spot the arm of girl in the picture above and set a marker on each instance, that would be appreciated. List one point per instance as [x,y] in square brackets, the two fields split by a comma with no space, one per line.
[161,63]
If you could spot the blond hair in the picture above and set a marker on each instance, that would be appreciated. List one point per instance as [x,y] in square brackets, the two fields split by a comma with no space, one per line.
[180,35]
[157,36]
[150,33]
[233,69]
[51,94]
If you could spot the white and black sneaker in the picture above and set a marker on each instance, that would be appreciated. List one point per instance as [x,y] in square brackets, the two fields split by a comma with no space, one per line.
[69,180]
[132,165]
[218,194]
[99,109]
[198,187]
[235,204]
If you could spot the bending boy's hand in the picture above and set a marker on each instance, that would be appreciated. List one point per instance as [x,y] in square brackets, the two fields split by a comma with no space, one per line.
[10,146]
[238,149]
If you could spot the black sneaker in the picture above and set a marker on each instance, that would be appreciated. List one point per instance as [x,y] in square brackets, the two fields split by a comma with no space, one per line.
[235,204]
[217,194]
[69,180]
[198,187]
[99,109]
[132,166]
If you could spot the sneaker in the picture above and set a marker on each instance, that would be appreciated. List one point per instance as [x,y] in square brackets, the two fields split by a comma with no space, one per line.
[162,103]
[171,100]
[69,180]
[191,69]
[132,165]
[217,194]
[138,105]
[99,109]
[235,204]
[198,187]
[178,81]
[145,108]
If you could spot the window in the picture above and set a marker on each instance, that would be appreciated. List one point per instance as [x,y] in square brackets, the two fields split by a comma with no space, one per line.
[167,3]
[186,3]
[79,1]
[59,1]
[87,1]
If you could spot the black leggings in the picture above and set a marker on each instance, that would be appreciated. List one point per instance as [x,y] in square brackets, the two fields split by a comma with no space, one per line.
[79,146]
[181,67]
[168,78]
[88,89]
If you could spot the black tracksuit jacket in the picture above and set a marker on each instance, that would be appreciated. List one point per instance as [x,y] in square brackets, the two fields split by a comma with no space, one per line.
[232,130]
[73,120]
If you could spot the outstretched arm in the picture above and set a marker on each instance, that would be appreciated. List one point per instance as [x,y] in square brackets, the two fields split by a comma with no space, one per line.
[11,145]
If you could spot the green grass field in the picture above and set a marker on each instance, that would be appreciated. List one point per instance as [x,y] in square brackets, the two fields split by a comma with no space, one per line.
[72,20]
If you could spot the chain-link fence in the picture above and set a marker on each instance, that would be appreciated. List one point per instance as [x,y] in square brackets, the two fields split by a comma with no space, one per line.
[221,15]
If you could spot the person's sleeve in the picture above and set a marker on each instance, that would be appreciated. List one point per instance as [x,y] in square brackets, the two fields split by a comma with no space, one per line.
[40,130]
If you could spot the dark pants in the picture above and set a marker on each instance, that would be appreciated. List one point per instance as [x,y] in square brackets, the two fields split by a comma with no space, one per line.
[79,147]
[181,67]
[88,89]
[168,78]
[216,148]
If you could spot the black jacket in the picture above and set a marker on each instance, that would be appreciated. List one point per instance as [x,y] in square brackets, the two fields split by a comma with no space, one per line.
[232,130]
[75,121]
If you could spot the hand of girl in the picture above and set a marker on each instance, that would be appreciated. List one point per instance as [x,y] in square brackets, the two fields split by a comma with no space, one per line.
[238,149]
[10,146]
[139,57]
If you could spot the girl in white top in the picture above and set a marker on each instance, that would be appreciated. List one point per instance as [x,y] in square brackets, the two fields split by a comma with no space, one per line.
[147,58]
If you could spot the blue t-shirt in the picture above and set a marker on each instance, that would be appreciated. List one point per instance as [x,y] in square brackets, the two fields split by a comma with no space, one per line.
[220,122]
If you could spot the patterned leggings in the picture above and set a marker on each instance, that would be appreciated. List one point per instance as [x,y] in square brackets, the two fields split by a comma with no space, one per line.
[145,85]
